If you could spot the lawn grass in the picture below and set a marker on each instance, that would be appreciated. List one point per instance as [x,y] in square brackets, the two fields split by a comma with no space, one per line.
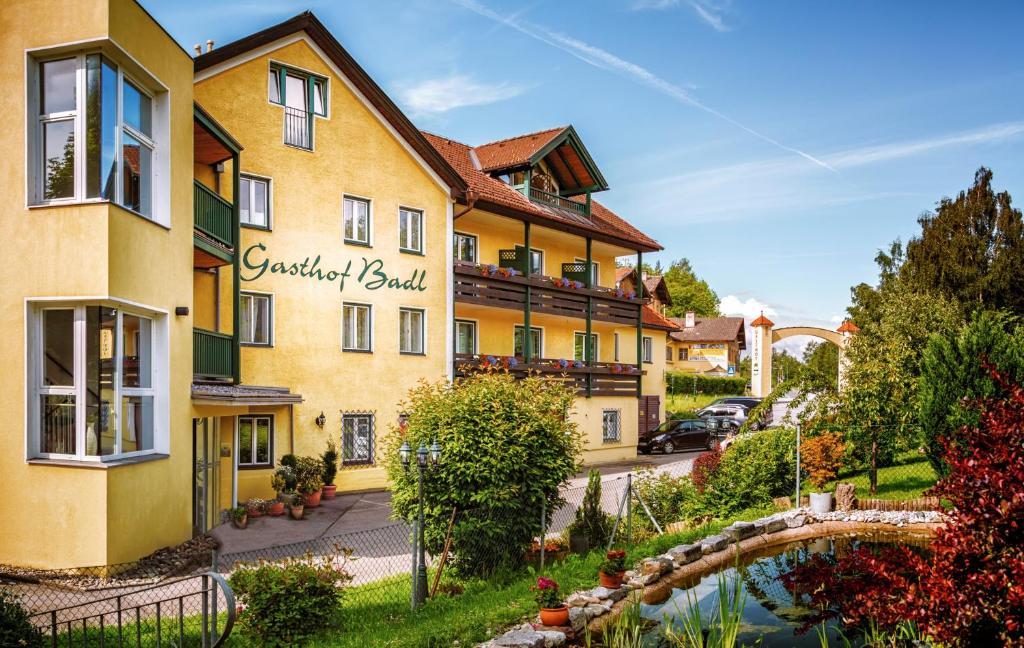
[379,615]
[689,402]
[908,479]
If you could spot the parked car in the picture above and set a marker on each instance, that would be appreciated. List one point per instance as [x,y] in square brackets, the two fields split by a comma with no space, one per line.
[735,412]
[722,425]
[670,436]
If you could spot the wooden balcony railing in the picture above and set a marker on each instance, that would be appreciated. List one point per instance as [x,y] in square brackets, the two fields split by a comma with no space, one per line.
[561,202]
[213,215]
[212,355]
[493,286]
[598,379]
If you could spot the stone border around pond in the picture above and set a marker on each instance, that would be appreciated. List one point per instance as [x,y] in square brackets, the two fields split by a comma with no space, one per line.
[656,576]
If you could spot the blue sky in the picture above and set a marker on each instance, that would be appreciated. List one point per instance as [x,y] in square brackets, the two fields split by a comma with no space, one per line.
[777,146]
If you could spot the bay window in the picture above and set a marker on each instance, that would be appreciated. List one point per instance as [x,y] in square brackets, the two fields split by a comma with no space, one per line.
[93,383]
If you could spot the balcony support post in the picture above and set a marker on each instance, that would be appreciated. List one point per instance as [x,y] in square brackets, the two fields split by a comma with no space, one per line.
[588,204]
[588,351]
[639,323]
[527,337]
[236,302]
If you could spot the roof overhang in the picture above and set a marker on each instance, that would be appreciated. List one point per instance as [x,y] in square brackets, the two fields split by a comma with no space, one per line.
[242,395]
[568,157]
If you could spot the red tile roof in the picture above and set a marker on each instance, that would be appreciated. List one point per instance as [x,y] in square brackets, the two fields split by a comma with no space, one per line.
[762,321]
[494,192]
[622,273]
[514,151]
[653,319]
[710,329]
[848,327]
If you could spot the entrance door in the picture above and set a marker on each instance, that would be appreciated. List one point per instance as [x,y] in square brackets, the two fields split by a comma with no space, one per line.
[649,409]
[205,474]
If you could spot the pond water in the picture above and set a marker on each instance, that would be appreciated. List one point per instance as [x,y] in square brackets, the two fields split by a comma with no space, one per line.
[770,613]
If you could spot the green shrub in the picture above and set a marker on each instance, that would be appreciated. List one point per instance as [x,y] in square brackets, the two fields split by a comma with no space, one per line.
[330,461]
[506,447]
[591,521]
[671,499]
[15,627]
[753,470]
[308,474]
[287,602]
[680,382]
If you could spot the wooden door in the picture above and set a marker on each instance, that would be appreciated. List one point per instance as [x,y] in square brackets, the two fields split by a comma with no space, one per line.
[649,409]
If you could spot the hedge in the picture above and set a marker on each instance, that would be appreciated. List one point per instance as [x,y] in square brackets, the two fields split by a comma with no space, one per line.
[686,383]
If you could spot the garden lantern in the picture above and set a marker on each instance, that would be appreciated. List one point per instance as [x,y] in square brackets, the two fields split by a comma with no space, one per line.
[403,454]
[425,459]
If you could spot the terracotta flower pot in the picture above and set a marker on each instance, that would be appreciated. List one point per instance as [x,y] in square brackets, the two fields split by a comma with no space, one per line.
[558,616]
[329,491]
[610,582]
[254,513]
[275,509]
[296,512]
[312,500]
[240,523]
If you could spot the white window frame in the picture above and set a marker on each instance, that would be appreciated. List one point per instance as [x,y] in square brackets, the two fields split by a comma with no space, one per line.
[595,271]
[159,206]
[158,389]
[269,193]
[252,465]
[648,349]
[596,343]
[404,245]
[369,324]
[476,246]
[252,294]
[476,333]
[537,353]
[423,330]
[369,221]
[371,441]
[617,418]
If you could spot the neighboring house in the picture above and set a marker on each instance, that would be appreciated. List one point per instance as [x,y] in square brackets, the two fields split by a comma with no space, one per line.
[706,345]
[655,287]
[530,210]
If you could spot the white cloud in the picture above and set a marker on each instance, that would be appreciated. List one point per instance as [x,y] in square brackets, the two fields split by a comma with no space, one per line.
[605,60]
[749,308]
[433,96]
[709,12]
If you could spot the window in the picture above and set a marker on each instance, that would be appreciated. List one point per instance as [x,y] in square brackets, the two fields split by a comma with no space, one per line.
[357,221]
[465,337]
[410,331]
[357,439]
[256,312]
[93,384]
[465,247]
[595,271]
[684,354]
[648,349]
[536,342]
[94,134]
[611,426]
[254,201]
[255,441]
[302,95]
[668,354]
[356,323]
[410,230]
[578,350]
[536,259]
[615,357]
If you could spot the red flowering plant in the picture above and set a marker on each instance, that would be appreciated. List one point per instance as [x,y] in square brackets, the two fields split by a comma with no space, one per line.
[704,467]
[546,593]
[614,562]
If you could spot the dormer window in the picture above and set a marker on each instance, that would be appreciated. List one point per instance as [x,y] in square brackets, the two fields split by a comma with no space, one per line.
[302,95]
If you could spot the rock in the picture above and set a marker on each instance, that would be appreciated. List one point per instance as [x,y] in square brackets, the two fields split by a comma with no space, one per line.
[577,618]
[685,554]
[738,531]
[846,497]
[602,593]
[596,610]
[636,582]
[714,543]
[580,599]
[795,521]
[782,503]
[773,525]
[649,578]
[520,638]
[552,638]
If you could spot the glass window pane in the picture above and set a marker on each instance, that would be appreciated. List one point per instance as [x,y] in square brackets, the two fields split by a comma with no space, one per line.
[136,423]
[261,324]
[347,425]
[295,93]
[100,127]
[138,175]
[363,327]
[246,313]
[259,203]
[262,440]
[577,353]
[59,347]
[403,229]
[274,85]
[245,440]
[137,109]
[465,334]
[59,159]
[57,418]
[100,366]
[244,189]
[416,219]
[57,86]
[319,105]
[137,361]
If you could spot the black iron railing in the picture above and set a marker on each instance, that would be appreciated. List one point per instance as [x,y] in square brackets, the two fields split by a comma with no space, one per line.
[298,128]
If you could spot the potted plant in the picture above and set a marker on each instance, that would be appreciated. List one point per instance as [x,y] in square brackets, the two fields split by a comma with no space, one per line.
[554,549]
[553,611]
[309,479]
[612,569]
[296,506]
[239,517]
[330,461]
[279,484]
[822,456]
[255,507]
[275,508]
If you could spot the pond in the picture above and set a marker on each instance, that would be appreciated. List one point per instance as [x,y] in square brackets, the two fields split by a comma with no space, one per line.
[770,613]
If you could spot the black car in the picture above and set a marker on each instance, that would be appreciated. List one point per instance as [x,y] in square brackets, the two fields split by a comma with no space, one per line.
[670,436]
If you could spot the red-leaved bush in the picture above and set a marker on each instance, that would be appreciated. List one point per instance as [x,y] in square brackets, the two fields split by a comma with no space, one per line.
[704,466]
[970,591]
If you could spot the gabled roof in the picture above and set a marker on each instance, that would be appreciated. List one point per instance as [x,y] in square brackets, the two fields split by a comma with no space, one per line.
[561,148]
[711,329]
[515,151]
[652,319]
[495,196]
[762,321]
[655,285]
[311,25]
[623,272]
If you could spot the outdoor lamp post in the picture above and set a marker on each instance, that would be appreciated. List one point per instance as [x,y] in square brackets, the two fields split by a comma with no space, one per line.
[425,459]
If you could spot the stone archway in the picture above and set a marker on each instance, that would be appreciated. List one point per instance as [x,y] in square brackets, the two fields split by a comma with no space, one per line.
[765,335]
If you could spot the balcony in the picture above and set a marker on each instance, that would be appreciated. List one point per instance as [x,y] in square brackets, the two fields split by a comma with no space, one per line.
[488,285]
[561,202]
[213,356]
[213,218]
[298,128]
[597,379]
